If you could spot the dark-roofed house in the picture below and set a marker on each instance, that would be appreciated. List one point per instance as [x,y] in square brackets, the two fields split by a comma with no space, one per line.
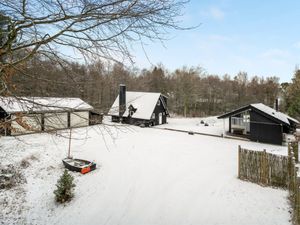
[261,123]
[36,114]
[139,108]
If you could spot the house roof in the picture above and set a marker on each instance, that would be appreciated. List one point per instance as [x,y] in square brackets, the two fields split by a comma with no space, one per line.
[42,104]
[279,116]
[144,102]
[272,112]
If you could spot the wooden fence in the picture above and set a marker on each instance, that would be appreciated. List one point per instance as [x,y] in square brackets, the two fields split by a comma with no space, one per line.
[273,170]
[263,168]
[294,180]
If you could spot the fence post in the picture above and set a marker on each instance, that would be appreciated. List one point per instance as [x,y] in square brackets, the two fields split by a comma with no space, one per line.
[239,162]
[261,166]
[265,168]
[289,170]
[294,180]
[295,149]
[297,202]
[292,172]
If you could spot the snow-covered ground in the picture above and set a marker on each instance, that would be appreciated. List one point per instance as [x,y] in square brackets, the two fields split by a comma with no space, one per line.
[215,126]
[145,176]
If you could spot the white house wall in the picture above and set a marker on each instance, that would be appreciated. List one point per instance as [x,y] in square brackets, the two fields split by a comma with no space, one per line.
[79,119]
[55,121]
[52,121]
[26,124]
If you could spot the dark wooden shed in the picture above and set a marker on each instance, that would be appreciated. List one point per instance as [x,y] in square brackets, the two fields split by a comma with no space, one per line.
[139,108]
[261,123]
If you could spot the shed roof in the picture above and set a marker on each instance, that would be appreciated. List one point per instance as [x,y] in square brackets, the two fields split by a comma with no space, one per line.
[42,104]
[144,102]
[265,110]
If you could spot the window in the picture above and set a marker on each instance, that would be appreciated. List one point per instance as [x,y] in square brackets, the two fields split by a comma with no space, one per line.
[153,116]
[158,103]
[246,117]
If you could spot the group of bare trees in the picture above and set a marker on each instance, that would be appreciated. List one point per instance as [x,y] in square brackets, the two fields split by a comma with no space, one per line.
[102,29]
[191,91]
[34,35]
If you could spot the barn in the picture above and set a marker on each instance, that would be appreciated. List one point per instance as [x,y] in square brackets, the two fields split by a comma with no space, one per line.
[260,123]
[139,108]
[38,114]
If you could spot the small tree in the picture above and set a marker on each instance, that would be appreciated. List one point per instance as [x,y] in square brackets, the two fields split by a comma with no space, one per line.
[65,186]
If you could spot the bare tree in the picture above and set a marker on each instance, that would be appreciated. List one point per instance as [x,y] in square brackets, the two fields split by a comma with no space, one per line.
[96,28]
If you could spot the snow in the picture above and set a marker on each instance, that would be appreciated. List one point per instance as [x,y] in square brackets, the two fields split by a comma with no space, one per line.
[272,112]
[41,104]
[144,176]
[215,126]
[144,102]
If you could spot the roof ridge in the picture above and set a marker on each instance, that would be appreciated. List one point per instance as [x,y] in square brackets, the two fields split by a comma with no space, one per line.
[147,92]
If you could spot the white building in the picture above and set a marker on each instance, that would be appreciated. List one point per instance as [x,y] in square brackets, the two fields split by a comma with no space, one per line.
[20,115]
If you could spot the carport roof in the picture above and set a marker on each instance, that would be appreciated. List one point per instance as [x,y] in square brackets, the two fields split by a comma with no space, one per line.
[42,104]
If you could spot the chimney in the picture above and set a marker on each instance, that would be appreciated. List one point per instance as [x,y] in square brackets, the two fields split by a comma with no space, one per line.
[122,100]
[277,104]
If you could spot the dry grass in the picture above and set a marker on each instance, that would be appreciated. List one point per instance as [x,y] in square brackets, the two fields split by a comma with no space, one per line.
[11,176]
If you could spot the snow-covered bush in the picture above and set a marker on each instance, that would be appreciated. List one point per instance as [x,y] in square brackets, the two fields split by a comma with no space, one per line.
[65,187]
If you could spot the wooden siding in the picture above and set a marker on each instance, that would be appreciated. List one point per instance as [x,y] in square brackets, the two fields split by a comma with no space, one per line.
[265,130]
[79,119]
[159,108]
[26,124]
[55,121]
[19,124]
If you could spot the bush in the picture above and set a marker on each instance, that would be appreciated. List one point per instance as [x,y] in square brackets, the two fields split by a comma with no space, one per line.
[24,163]
[10,176]
[65,186]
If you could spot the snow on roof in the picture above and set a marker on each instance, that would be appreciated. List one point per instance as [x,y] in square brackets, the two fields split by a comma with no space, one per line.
[144,102]
[292,119]
[272,112]
[42,104]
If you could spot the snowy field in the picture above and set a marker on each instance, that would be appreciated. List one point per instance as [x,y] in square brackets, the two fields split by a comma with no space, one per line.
[145,176]
[215,126]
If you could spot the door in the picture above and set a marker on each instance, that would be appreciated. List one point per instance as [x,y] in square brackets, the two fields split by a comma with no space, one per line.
[160,118]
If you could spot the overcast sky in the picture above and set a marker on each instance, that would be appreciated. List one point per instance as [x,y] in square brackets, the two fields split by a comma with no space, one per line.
[255,36]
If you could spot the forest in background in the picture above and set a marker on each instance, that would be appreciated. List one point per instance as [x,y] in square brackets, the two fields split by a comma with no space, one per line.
[30,65]
[35,37]
[191,90]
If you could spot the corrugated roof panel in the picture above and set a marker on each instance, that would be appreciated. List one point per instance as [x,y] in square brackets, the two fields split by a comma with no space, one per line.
[41,104]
